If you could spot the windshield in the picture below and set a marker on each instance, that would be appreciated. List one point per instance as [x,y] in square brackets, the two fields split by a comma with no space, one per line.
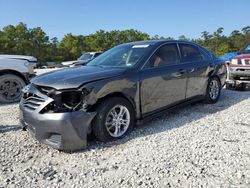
[85,57]
[121,56]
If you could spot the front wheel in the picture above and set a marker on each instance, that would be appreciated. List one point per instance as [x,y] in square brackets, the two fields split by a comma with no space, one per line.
[10,88]
[213,90]
[115,118]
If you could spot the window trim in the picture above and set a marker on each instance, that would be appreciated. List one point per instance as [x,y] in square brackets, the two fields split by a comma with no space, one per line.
[144,67]
[194,45]
[206,52]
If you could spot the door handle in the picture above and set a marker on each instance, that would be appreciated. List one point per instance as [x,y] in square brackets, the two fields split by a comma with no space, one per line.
[191,70]
[182,71]
[179,73]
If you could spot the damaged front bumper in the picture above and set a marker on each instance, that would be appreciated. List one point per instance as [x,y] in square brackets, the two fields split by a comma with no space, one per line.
[63,131]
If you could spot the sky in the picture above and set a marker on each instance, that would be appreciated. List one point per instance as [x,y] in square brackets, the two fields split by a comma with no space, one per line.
[169,18]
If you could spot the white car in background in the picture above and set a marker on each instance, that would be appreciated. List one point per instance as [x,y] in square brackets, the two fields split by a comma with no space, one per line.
[82,60]
[15,72]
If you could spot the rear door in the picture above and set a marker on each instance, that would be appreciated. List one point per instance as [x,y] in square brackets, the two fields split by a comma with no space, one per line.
[197,64]
[163,81]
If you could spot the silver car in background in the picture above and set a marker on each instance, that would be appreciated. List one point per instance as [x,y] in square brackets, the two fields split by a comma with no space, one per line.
[15,72]
[82,60]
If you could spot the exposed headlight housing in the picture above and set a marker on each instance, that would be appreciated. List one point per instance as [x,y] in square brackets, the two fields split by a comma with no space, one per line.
[65,101]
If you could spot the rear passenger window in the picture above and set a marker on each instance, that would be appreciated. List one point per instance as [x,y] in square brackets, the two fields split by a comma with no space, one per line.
[205,55]
[190,53]
[165,55]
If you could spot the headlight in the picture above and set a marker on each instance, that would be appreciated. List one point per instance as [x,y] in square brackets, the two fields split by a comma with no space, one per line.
[65,101]
[236,61]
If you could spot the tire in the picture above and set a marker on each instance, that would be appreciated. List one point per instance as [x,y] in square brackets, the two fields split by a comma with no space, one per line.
[106,111]
[11,88]
[228,86]
[241,87]
[213,90]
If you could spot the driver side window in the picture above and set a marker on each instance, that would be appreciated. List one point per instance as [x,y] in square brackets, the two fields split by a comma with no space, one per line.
[164,56]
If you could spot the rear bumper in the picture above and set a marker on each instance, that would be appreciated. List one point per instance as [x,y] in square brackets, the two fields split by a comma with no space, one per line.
[223,78]
[62,131]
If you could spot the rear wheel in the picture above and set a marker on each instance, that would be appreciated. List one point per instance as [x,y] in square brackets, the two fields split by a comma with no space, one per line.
[229,86]
[10,88]
[114,119]
[213,90]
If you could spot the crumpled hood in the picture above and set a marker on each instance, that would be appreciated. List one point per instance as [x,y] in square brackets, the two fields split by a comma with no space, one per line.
[69,78]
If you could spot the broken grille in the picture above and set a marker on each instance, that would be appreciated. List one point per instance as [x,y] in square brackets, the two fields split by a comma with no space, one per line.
[32,101]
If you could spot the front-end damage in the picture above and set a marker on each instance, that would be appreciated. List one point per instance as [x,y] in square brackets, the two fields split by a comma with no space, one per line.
[57,118]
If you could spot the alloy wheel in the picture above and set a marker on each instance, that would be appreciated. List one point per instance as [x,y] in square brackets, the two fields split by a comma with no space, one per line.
[117,121]
[10,89]
[214,89]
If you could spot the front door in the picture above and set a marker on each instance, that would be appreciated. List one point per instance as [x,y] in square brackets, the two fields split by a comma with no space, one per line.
[163,80]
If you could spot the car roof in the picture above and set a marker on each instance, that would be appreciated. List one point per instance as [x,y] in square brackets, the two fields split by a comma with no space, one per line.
[243,56]
[92,52]
[153,42]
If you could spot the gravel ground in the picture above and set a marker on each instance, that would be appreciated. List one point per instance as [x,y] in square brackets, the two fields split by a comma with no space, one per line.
[197,146]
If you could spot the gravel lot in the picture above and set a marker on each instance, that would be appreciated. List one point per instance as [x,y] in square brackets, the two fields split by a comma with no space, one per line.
[199,145]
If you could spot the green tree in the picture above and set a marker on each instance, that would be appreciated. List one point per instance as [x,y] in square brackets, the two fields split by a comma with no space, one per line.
[1,42]
[71,46]
[246,30]
[39,43]
[20,39]
[183,37]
